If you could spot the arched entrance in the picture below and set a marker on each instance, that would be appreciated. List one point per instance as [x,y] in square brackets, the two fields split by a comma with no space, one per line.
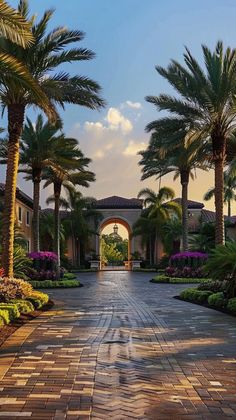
[116,221]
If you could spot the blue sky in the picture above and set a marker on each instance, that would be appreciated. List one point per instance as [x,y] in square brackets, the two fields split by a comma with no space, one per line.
[129,38]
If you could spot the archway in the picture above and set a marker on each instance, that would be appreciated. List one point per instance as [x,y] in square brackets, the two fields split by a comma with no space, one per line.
[113,228]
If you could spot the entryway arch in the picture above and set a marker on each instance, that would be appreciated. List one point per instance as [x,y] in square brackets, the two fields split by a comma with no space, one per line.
[120,221]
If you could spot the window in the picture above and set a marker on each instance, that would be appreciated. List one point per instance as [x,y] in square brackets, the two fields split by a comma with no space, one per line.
[27,218]
[20,214]
[28,245]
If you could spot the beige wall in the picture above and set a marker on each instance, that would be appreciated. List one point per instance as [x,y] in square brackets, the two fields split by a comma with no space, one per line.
[24,224]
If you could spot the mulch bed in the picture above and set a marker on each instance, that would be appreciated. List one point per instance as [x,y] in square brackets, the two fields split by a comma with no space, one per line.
[9,329]
[206,305]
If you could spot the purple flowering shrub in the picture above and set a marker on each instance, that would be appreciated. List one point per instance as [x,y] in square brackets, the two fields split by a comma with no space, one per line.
[187,264]
[44,265]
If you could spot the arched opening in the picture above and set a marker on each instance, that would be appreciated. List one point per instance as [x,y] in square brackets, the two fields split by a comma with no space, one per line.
[115,244]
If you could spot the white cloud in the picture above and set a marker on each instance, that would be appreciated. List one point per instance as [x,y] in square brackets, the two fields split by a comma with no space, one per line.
[133,148]
[134,105]
[117,121]
[91,126]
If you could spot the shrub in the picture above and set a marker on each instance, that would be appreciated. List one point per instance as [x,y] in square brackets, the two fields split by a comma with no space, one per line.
[217,300]
[2,323]
[188,259]
[231,306]
[38,299]
[4,315]
[42,275]
[213,285]
[69,276]
[185,271]
[48,284]
[2,272]
[14,289]
[12,309]
[195,295]
[174,280]
[21,263]
[43,260]
[23,305]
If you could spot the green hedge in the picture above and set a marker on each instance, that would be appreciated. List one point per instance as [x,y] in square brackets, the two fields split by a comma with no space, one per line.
[12,309]
[175,280]
[38,299]
[4,317]
[218,300]
[69,276]
[195,295]
[53,284]
[231,306]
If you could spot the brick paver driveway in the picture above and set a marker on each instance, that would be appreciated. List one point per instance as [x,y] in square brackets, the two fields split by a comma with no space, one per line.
[121,348]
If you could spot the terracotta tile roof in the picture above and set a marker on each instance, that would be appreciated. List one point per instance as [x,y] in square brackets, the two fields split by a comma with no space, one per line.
[209,216]
[191,204]
[20,195]
[116,202]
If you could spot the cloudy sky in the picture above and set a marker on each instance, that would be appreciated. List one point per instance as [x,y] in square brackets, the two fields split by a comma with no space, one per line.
[129,38]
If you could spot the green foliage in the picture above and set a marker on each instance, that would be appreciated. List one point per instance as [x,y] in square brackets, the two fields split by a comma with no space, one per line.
[21,263]
[221,265]
[38,299]
[175,280]
[204,241]
[69,276]
[109,252]
[23,305]
[213,285]
[54,284]
[231,306]
[195,295]
[217,300]
[4,316]
[12,309]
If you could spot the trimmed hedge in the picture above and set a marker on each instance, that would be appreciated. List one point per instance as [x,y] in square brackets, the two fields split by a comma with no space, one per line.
[12,309]
[217,300]
[4,317]
[69,276]
[195,295]
[231,306]
[175,280]
[53,284]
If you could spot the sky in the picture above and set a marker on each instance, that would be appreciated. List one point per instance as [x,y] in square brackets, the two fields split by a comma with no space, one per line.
[129,38]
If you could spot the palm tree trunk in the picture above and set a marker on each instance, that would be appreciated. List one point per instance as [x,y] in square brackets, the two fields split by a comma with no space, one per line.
[15,125]
[184,182]
[35,221]
[56,247]
[218,144]
[150,249]
[156,248]
[229,208]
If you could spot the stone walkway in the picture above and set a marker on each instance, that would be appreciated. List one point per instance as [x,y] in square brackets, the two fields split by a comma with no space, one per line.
[121,348]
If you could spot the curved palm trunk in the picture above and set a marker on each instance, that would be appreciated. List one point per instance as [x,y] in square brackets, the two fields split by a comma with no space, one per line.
[15,125]
[56,246]
[229,208]
[219,144]
[184,176]
[35,221]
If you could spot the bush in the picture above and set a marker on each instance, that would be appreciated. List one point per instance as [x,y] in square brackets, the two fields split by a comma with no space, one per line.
[69,276]
[195,295]
[188,259]
[21,263]
[2,322]
[4,316]
[231,306]
[14,289]
[217,300]
[12,309]
[160,279]
[49,284]
[213,285]
[185,271]
[38,299]
[24,306]
[174,280]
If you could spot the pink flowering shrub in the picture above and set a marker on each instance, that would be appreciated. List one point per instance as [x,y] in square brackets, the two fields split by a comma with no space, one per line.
[43,256]
[187,264]
[43,261]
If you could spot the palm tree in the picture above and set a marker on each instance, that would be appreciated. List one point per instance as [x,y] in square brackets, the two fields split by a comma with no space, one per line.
[38,150]
[70,171]
[41,59]
[82,215]
[159,209]
[171,235]
[207,104]
[145,227]
[181,155]
[229,191]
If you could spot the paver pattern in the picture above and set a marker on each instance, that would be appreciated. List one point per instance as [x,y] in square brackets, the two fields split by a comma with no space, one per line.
[121,348]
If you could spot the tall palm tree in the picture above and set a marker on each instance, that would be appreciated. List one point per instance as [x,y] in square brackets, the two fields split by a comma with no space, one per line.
[181,155]
[38,150]
[42,60]
[206,102]
[229,191]
[145,228]
[159,209]
[70,171]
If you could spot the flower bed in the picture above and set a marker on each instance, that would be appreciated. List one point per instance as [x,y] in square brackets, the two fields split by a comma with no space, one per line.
[187,264]
[176,280]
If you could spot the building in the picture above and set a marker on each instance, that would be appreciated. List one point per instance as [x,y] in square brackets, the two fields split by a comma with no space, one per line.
[24,214]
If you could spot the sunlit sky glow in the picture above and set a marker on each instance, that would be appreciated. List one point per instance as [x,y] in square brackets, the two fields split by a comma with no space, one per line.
[130,37]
